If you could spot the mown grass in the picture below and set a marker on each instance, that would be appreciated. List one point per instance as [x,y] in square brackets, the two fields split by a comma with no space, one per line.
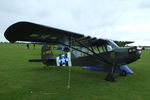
[21,80]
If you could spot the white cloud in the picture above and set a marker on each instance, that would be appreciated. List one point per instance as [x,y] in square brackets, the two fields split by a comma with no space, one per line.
[117,19]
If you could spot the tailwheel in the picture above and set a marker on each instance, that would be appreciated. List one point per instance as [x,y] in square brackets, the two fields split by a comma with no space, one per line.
[123,73]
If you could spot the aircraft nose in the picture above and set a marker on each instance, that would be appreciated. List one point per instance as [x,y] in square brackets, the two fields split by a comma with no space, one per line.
[135,52]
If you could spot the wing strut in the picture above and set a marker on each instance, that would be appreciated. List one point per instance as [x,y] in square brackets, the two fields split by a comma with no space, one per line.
[94,54]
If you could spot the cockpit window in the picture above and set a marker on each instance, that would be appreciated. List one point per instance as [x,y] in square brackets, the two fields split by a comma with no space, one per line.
[109,48]
[112,44]
[102,49]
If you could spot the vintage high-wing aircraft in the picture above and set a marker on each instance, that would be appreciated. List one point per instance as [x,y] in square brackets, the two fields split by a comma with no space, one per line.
[84,50]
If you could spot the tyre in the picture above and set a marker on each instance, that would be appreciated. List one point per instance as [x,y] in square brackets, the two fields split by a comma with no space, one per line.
[123,73]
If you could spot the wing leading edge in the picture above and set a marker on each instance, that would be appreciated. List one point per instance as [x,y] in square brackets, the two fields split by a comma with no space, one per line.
[27,31]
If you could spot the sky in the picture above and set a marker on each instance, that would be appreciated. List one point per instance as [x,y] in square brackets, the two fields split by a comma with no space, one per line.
[125,20]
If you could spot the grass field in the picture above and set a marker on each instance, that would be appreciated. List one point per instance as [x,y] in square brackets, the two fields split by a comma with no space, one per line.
[21,80]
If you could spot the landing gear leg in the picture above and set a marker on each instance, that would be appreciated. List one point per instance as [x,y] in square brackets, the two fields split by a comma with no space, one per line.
[123,73]
[110,77]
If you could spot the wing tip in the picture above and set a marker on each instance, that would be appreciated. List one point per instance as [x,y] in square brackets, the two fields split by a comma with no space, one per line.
[11,29]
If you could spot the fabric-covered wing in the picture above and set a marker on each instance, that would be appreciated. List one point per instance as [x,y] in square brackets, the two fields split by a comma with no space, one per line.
[26,31]
[122,43]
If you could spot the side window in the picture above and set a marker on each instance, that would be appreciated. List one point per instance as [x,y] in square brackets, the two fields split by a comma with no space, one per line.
[76,53]
[84,50]
[95,49]
[101,49]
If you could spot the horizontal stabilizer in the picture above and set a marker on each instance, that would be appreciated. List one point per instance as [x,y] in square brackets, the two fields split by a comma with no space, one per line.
[36,60]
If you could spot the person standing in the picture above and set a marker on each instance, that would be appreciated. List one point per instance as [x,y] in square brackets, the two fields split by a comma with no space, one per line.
[33,46]
[28,46]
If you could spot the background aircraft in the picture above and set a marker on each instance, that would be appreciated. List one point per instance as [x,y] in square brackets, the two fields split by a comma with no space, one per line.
[84,50]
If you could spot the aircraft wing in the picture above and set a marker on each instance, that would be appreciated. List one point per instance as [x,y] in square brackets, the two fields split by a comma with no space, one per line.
[31,32]
[123,43]
[27,31]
